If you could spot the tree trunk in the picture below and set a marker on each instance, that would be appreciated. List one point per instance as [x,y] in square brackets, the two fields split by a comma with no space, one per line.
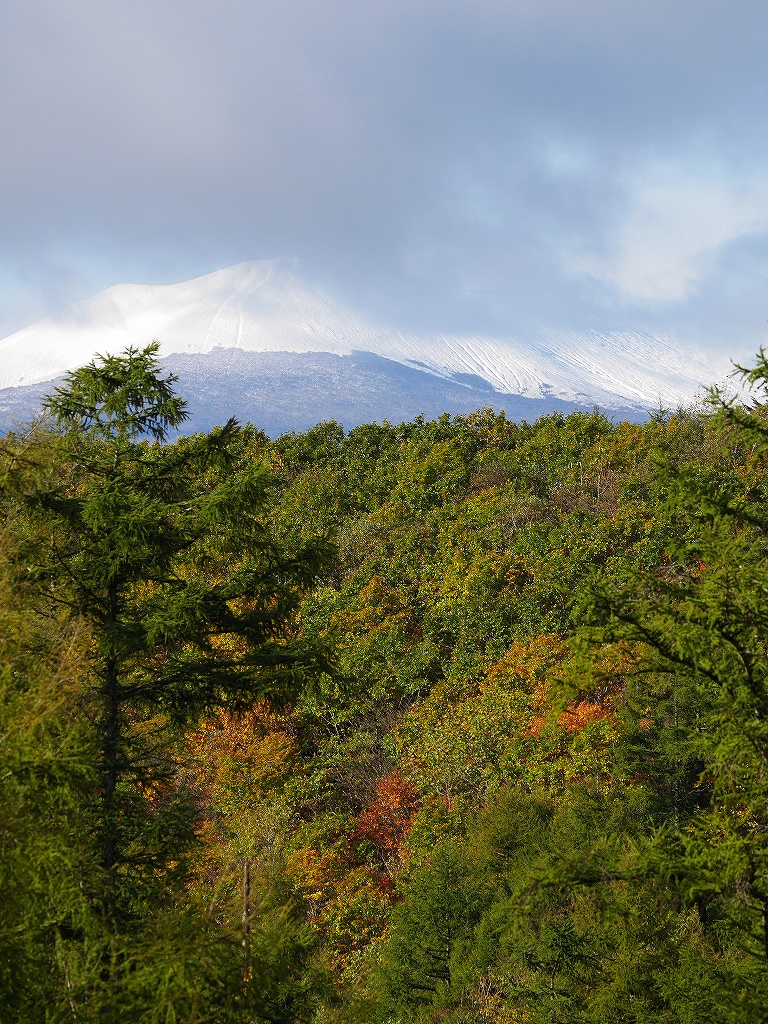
[246,919]
[111,747]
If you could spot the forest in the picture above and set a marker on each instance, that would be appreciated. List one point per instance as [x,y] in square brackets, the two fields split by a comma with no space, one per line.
[459,721]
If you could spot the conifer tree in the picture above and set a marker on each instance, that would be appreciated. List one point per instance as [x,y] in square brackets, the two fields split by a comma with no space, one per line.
[188,604]
[698,709]
[431,931]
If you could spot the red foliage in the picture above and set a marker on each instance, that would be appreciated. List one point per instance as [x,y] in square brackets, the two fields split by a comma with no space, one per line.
[387,821]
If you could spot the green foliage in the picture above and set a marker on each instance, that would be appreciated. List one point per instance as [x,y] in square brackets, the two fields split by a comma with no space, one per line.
[431,931]
[119,398]
[160,561]
[528,785]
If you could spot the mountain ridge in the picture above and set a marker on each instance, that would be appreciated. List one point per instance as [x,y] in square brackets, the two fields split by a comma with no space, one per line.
[264,307]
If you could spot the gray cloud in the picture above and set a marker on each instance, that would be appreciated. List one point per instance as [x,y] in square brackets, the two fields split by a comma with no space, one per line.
[487,165]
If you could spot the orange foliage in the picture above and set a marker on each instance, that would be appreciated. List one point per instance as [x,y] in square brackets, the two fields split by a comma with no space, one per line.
[230,735]
[530,663]
[315,874]
[576,716]
[241,753]
[536,663]
[534,729]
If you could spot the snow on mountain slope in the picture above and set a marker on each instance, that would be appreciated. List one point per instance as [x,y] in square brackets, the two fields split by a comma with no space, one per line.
[266,307]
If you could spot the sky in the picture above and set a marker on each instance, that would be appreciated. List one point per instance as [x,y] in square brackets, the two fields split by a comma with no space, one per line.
[494,166]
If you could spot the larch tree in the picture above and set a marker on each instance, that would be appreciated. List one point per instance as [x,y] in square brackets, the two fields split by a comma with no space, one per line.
[697,708]
[188,604]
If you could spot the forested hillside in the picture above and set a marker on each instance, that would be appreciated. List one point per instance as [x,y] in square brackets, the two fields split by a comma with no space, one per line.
[461,720]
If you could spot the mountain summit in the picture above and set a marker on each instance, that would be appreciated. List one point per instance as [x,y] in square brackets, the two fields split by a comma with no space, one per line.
[259,321]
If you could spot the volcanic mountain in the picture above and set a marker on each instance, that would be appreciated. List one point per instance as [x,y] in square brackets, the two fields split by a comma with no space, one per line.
[256,341]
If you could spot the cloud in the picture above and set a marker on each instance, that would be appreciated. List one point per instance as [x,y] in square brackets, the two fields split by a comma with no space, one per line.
[672,231]
[443,162]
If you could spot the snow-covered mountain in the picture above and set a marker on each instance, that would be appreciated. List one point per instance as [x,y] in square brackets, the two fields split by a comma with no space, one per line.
[263,318]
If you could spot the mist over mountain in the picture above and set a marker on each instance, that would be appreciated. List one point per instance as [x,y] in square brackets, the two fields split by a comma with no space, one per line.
[258,342]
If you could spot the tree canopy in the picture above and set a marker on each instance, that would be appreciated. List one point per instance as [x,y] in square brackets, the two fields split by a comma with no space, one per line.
[185,602]
[459,720]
